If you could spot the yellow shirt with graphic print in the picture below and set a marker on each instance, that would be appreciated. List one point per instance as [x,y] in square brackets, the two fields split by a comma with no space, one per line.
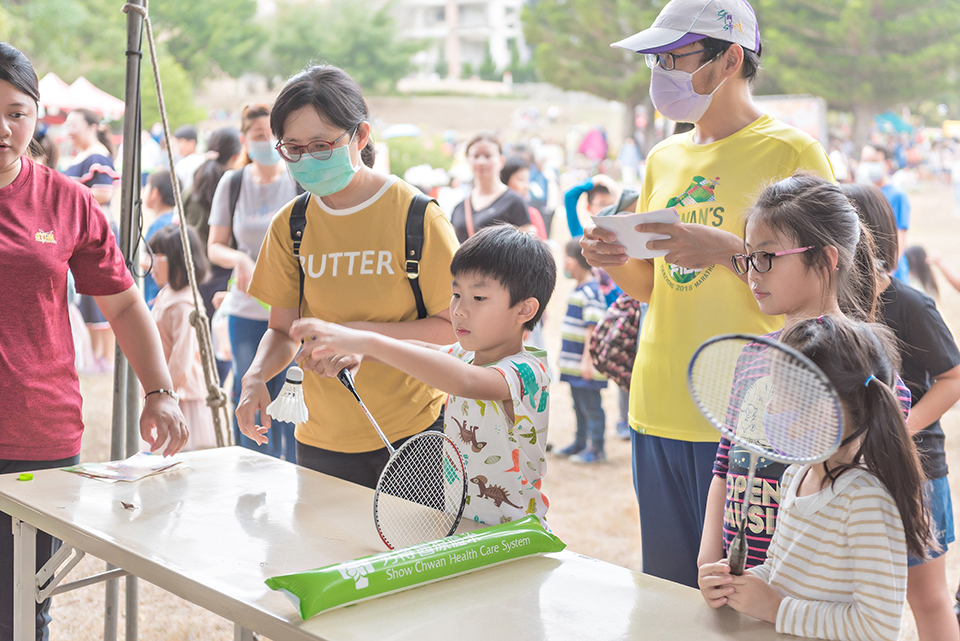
[712,185]
[353,261]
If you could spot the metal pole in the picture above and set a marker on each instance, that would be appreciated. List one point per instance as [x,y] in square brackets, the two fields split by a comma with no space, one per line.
[124,379]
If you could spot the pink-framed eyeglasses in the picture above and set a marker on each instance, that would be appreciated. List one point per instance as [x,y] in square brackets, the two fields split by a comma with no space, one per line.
[761,261]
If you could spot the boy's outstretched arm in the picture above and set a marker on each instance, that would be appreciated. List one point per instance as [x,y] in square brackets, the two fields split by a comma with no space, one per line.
[439,370]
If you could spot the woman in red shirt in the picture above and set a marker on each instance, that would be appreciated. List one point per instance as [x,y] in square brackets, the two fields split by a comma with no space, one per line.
[49,224]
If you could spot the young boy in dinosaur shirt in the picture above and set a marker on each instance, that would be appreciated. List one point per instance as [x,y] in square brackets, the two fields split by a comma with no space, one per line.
[498,388]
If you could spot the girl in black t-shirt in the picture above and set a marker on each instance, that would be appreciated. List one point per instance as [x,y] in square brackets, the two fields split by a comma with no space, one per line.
[931,369]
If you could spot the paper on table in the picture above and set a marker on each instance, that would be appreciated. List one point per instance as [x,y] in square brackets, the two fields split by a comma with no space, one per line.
[636,242]
[138,466]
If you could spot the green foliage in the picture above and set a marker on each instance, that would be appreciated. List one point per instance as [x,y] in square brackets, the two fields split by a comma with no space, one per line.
[488,68]
[89,37]
[410,152]
[466,70]
[177,95]
[209,34]
[522,71]
[356,35]
[864,55]
[571,40]
[442,67]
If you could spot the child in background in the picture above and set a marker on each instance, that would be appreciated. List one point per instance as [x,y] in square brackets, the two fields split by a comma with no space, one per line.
[601,190]
[158,197]
[498,408]
[516,176]
[931,369]
[806,254]
[171,310]
[935,258]
[837,565]
[585,308]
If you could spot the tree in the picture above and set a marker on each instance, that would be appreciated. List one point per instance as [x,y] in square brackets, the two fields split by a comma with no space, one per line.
[571,40]
[177,94]
[522,71]
[864,56]
[488,68]
[356,35]
[210,34]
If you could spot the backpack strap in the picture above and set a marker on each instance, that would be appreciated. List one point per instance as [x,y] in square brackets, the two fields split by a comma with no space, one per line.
[298,222]
[414,247]
[236,181]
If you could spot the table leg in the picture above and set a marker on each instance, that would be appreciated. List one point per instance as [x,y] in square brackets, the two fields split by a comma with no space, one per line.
[24,581]
[240,633]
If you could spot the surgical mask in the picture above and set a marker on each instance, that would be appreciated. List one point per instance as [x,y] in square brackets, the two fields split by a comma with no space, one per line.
[324,177]
[870,172]
[263,152]
[673,95]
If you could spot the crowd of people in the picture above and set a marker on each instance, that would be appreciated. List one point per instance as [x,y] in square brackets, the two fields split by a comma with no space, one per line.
[313,258]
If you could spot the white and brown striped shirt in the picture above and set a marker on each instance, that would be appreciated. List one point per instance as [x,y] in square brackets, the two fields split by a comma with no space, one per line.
[839,558]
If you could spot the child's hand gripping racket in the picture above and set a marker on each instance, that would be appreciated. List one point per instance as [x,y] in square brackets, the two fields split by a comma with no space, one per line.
[423,488]
[802,420]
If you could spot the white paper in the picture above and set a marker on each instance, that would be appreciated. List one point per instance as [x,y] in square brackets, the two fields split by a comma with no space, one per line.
[636,242]
[138,466]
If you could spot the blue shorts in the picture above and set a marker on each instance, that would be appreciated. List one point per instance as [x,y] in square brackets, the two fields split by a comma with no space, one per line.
[937,494]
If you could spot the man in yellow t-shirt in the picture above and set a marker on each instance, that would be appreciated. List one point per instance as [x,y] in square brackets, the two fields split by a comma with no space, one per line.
[704,56]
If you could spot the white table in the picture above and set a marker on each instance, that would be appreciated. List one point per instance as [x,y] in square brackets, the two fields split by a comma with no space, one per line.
[212,530]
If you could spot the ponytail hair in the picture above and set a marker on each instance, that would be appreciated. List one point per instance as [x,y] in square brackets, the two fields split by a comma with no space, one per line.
[104,134]
[813,212]
[861,361]
[333,94]
[222,145]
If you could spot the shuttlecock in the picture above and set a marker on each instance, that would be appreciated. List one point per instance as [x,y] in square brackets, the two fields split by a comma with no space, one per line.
[290,406]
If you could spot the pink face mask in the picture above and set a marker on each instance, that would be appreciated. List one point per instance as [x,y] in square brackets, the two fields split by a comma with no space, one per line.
[673,95]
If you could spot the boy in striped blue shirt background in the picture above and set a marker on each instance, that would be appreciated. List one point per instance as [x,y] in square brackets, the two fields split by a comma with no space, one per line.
[585,307]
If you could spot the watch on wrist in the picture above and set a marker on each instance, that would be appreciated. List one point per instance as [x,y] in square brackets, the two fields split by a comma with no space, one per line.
[168,392]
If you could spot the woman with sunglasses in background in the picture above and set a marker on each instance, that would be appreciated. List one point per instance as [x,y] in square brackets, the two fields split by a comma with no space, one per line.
[236,234]
[352,255]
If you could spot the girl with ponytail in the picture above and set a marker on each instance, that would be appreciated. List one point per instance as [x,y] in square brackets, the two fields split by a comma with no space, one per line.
[93,163]
[837,565]
[806,254]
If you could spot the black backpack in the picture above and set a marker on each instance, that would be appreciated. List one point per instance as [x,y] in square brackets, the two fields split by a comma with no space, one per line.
[413,250]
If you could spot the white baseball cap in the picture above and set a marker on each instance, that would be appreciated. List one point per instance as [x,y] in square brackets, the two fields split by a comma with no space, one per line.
[684,21]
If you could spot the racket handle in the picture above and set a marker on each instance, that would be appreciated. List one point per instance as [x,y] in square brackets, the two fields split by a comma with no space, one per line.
[345,377]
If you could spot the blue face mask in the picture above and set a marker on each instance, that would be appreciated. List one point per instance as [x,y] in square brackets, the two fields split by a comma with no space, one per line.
[263,152]
[324,177]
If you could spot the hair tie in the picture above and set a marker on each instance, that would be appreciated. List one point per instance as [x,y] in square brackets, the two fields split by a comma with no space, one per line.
[869,378]
[820,319]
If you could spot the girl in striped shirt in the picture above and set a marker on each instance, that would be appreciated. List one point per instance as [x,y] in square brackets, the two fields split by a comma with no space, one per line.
[837,565]
[806,253]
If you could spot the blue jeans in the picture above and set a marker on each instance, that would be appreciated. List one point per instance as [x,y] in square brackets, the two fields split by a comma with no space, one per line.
[245,335]
[671,479]
[591,421]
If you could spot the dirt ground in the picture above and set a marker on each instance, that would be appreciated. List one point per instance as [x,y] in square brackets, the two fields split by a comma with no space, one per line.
[593,508]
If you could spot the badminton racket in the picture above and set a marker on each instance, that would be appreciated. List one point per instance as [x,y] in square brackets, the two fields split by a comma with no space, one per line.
[801,420]
[423,488]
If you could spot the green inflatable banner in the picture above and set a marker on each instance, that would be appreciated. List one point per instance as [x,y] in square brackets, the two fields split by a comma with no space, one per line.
[374,576]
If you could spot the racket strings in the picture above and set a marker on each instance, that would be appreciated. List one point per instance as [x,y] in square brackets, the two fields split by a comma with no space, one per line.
[420,493]
[765,399]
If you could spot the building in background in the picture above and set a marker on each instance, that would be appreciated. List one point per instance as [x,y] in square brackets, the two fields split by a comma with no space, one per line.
[464,34]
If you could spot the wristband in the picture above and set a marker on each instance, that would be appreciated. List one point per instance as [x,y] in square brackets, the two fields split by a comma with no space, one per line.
[169,392]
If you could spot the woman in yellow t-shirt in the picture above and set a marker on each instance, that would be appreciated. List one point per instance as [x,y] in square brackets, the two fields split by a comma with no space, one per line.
[352,255]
